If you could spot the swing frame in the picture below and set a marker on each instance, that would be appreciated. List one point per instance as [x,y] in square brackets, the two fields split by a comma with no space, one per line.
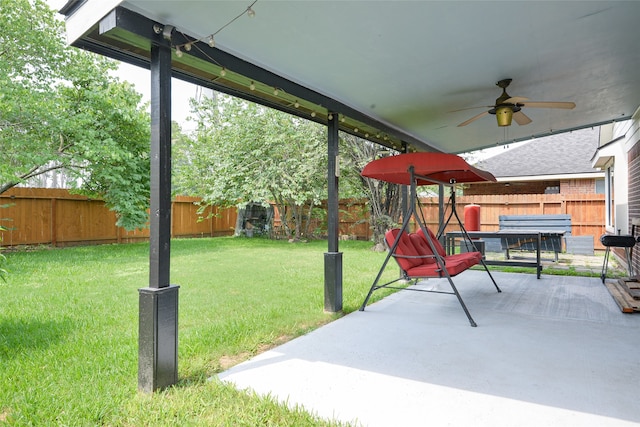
[439,259]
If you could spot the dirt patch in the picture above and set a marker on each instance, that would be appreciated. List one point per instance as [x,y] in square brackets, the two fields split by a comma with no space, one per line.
[227,361]
[278,341]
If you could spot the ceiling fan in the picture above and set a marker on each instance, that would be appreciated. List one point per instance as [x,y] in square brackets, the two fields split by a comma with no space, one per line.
[507,107]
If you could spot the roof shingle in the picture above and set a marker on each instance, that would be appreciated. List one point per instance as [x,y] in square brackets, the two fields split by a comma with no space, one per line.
[566,153]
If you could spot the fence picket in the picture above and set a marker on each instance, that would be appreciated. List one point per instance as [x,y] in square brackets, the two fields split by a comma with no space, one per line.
[56,217]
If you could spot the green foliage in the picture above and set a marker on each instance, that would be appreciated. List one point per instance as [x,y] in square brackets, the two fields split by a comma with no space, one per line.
[384,198]
[61,109]
[242,152]
[68,329]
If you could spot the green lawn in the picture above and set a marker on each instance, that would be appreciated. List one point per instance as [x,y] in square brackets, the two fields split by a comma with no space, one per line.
[69,337]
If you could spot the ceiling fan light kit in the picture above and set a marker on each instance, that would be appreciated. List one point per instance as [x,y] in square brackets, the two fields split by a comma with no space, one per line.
[504,115]
[507,108]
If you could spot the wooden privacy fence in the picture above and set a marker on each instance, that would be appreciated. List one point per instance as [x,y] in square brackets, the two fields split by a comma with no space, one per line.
[56,217]
[587,210]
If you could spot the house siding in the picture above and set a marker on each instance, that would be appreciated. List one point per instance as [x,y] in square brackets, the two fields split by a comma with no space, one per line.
[634,195]
[622,151]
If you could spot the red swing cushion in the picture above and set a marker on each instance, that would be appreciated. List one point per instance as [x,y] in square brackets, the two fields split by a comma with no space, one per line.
[403,250]
[453,267]
[471,258]
[415,257]
[422,247]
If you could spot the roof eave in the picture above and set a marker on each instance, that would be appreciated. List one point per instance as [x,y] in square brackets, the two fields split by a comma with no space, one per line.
[127,36]
[553,177]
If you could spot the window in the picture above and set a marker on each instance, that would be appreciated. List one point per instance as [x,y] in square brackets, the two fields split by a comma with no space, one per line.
[555,189]
[609,199]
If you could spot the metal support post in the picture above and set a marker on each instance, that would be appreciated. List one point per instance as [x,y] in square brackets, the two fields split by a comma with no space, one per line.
[404,190]
[333,258]
[158,316]
[440,208]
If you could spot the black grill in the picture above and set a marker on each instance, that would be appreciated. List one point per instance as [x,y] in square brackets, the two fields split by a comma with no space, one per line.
[610,240]
[618,241]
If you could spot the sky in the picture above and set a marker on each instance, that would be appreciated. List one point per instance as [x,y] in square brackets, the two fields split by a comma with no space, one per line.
[181,91]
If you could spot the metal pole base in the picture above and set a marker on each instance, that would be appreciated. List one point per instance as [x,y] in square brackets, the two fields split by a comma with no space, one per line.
[333,282]
[158,338]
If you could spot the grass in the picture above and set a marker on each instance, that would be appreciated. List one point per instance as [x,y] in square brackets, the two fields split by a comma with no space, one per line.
[69,323]
[69,319]
[565,266]
[553,271]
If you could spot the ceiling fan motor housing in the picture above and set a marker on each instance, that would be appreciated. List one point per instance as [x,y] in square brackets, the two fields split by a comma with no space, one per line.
[504,113]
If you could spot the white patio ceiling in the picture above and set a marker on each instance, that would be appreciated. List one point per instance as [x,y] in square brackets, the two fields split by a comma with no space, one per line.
[407,64]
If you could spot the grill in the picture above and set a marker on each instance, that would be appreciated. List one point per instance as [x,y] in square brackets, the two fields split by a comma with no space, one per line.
[618,241]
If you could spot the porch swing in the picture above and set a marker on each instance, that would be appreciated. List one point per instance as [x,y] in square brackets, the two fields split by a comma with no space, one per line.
[420,255]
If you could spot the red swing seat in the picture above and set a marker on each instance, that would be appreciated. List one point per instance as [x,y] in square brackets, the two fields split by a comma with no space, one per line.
[417,260]
[417,254]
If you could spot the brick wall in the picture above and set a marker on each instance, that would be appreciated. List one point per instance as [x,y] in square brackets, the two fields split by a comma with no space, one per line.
[529,187]
[568,186]
[578,186]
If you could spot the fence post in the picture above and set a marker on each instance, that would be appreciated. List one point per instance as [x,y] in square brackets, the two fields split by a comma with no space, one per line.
[54,225]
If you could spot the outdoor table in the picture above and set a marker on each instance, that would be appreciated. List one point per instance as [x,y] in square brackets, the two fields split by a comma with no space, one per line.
[535,237]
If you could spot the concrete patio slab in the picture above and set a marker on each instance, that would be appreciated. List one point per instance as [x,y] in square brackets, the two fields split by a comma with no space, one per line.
[550,352]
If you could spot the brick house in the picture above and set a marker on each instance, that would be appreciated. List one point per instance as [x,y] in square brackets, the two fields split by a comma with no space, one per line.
[618,156]
[558,164]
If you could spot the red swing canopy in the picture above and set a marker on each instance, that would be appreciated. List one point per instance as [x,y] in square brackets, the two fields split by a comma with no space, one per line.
[430,168]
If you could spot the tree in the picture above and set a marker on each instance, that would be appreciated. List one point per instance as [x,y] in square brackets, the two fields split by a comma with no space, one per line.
[385,201]
[242,152]
[61,110]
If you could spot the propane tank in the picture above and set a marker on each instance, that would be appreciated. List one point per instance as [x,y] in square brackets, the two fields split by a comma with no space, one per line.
[472,217]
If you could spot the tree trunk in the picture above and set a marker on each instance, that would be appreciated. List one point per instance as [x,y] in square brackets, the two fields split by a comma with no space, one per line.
[7,186]
[385,206]
[282,210]
[309,216]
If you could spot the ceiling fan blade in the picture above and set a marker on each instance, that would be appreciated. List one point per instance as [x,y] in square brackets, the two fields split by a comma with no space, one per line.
[474,118]
[470,108]
[516,100]
[536,104]
[521,118]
